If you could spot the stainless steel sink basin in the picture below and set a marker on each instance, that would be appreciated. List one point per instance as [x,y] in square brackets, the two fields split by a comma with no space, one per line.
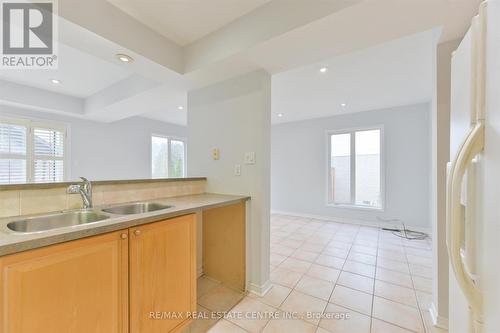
[136,208]
[56,221]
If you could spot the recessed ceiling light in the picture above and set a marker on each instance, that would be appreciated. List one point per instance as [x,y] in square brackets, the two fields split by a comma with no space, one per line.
[343,105]
[55,81]
[323,69]
[124,58]
[280,115]
[180,107]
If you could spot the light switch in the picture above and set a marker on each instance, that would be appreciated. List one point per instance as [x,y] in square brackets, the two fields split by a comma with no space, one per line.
[237,170]
[215,154]
[250,157]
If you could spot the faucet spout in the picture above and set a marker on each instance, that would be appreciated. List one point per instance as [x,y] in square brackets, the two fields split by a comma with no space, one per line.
[86,193]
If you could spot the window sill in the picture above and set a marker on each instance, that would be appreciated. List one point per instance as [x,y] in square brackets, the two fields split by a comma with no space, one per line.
[356,207]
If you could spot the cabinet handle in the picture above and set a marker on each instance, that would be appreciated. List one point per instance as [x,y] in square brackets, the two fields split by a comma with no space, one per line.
[137,232]
[124,236]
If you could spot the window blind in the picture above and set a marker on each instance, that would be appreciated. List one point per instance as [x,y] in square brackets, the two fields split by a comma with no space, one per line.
[31,152]
[13,153]
[48,153]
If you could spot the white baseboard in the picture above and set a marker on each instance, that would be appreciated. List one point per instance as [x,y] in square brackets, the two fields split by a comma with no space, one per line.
[370,223]
[260,290]
[437,320]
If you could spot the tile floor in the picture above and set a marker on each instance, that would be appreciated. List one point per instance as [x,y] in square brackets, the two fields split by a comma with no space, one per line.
[332,277]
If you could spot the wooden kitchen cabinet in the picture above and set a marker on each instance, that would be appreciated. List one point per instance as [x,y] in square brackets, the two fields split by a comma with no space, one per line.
[104,284]
[76,287]
[162,275]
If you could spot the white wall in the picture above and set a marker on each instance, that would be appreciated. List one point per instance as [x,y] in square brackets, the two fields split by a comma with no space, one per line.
[235,117]
[299,164]
[100,151]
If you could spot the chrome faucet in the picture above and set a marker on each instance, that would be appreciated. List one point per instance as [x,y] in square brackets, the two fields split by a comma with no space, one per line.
[85,190]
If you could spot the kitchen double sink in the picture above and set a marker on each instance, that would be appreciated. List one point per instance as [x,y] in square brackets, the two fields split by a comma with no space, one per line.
[83,216]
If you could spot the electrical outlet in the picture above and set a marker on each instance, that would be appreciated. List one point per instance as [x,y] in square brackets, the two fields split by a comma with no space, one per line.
[250,157]
[237,170]
[215,154]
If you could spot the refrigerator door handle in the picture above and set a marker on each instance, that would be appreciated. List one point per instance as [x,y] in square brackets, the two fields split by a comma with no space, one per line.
[473,145]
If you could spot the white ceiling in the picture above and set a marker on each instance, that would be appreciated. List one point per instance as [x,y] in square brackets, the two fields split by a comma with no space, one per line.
[181,45]
[81,74]
[395,73]
[185,21]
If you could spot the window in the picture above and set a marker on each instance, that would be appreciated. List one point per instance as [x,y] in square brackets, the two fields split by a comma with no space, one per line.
[168,157]
[355,168]
[31,152]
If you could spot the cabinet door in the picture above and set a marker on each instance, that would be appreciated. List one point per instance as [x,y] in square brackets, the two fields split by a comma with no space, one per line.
[76,287]
[162,275]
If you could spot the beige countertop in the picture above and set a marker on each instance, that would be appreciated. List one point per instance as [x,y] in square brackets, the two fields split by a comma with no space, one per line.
[13,242]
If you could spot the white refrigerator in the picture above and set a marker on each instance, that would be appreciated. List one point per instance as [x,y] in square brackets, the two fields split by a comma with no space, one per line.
[473,193]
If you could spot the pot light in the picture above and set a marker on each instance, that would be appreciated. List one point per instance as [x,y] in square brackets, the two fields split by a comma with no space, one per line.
[280,115]
[323,69]
[180,107]
[124,57]
[343,105]
[55,81]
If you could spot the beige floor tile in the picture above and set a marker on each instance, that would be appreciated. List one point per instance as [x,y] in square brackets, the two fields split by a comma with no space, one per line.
[366,242]
[289,326]
[340,245]
[417,270]
[303,304]
[395,293]
[356,281]
[220,298]
[419,252]
[362,258]
[324,273]
[202,323]
[293,243]
[393,265]
[285,277]
[379,326]
[204,284]
[295,265]
[397,314]
[321,330]
[429,326]
[352,299]
[359,268]
[424,300]
[243,314]
[305,255]
[330,261]
[315,287]
[335,252]
[224,326]
[275,259]
[312,247]
[343,238]
[391,247]
[388,254]
[342,320]
[417,260]
[275,296]
[394,277]
[281,249]
[364,250]
[422,284]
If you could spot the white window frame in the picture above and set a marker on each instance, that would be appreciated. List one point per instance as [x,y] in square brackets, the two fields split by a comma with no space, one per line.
[30,155]
[169,138]
[353,204]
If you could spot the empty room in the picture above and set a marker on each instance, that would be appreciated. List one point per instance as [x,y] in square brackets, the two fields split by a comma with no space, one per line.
[248,166]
